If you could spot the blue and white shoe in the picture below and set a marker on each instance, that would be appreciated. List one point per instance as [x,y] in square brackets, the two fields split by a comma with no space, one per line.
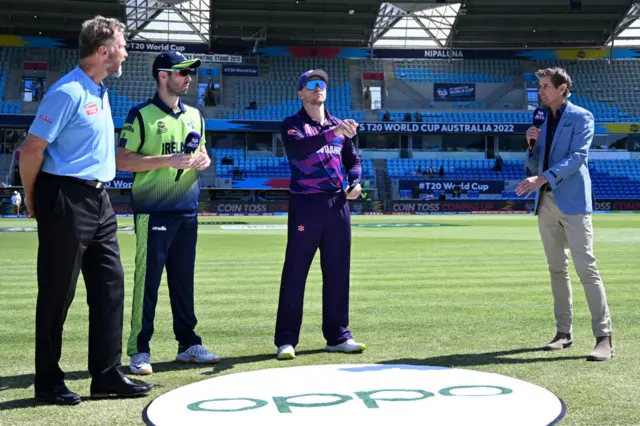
[197,354]
[140,364]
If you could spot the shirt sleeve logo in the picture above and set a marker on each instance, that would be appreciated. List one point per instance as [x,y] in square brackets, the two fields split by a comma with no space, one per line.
[128,128]
[45,119]
[291,132]
[91,109]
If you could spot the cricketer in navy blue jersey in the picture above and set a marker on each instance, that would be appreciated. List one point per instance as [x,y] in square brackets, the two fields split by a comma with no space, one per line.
[317,144]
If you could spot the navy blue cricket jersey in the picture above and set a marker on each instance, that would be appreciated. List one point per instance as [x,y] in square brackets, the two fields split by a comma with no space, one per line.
[315,154]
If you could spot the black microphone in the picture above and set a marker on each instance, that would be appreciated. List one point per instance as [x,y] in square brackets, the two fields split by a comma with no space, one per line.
[539,116]
[191,145]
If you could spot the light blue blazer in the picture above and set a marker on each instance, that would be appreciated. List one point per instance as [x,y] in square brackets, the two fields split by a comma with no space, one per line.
[568,172]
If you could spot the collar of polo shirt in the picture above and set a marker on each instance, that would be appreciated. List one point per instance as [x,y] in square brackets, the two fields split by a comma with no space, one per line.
[164,107]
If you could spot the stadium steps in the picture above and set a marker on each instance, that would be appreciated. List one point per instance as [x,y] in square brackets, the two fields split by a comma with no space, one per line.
[14,80]
[382,179]
[5,168]
[370,115]
[227,93]
[208,176]
[355,77]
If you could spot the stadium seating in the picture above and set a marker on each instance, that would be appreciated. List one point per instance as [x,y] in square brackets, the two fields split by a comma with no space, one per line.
[463,117]
[615,179]
[612,179]
[6,107]
[407,168]
[264,167]
[276,94]
[438,71]
[136,84]
[609,90]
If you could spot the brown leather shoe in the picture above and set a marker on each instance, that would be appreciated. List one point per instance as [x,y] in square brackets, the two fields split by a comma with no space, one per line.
[603,350]
[561,341]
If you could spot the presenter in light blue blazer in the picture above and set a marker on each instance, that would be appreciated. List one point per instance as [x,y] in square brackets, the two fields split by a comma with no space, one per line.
[557,163]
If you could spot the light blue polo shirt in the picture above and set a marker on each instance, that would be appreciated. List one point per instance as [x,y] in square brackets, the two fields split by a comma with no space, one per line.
[75,118]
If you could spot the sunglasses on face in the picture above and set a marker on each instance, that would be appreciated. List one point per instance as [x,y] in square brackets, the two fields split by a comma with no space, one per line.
[311,85]
[183,72]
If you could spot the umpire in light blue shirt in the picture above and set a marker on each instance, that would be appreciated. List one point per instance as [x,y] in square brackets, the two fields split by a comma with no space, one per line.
[65,161]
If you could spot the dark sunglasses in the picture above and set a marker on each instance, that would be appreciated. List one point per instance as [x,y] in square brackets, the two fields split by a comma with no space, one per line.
[311,85]
[183,72]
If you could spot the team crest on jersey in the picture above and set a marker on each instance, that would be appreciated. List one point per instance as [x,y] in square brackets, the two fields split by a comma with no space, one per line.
[190,125]
[162,128]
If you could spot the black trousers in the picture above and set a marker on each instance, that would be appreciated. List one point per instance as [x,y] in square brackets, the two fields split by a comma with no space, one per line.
[76,232]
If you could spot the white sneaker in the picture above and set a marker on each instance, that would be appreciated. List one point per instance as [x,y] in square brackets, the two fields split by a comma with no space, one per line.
[350,346]
[197,354]
[140,364]
[286,352]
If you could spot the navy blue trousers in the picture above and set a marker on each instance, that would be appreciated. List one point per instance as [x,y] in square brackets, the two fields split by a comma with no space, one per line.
[164,240]
[316,221]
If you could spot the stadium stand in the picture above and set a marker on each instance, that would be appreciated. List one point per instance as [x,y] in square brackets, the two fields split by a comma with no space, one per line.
[276,94]
[612,179]
[615,178]
[6,56]
[477,71]
[134,86]
[609,90]
[454,169]
[463,117]
[232,163]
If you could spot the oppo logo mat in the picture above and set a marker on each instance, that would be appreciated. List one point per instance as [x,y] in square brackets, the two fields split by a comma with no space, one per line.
[355,394]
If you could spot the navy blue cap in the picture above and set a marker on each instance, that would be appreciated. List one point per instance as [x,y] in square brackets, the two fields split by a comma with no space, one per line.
[312,73]
[173,60]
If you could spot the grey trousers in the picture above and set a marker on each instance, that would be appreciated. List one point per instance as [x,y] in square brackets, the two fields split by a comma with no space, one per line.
[561,233]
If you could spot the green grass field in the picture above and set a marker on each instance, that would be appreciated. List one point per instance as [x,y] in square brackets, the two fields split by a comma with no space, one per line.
[472,295]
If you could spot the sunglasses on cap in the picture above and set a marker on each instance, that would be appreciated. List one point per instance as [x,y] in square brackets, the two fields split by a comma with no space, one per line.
[183,72]
[311,85]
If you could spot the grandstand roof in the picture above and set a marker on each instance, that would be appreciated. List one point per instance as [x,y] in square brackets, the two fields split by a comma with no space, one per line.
[540,23]
[53,18]
[295,22]
[358,23]
[428,23]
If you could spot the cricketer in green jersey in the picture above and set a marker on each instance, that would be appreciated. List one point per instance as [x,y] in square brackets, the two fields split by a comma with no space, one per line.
[154,145]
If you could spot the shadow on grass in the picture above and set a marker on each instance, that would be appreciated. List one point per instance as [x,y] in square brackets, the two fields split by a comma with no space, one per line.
[487,358]
[25,381]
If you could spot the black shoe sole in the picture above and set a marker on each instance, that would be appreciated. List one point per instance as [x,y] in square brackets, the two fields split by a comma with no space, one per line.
[58,401]
[117,395]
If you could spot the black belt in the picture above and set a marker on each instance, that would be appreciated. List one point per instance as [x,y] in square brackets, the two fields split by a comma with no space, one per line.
[92,183]
[96,184]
